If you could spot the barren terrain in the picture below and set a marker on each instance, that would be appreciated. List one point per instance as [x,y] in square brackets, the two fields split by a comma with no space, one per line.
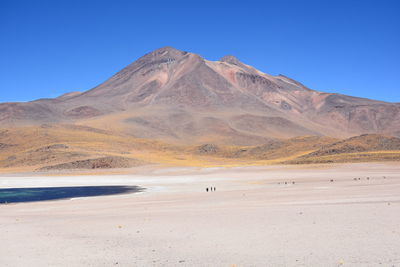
[179,97]
[175,108]
[296,215]
[68,147]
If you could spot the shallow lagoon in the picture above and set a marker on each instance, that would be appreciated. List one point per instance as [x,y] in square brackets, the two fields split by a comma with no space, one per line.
[15,195]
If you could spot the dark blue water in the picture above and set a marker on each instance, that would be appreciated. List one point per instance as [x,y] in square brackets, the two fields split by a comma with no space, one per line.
[15,195]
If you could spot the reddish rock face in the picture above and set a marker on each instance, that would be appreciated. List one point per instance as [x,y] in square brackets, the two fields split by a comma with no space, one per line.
[180,95]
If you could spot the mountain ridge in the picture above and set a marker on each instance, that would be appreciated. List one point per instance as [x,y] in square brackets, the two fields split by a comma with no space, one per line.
[178,96]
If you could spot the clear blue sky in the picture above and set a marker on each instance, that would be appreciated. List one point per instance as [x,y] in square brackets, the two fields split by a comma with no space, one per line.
[48,48]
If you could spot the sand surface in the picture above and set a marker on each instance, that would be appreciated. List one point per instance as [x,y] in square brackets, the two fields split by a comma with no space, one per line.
[253,219]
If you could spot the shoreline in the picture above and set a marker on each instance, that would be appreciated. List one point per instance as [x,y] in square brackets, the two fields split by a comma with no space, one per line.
[326,218]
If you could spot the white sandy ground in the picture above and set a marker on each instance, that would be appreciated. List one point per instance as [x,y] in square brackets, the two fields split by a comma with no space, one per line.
[250,220]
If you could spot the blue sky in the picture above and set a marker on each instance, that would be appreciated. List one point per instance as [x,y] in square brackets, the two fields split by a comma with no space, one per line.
[49,48]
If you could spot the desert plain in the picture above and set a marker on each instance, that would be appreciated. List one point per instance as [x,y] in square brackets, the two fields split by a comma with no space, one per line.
[282,215]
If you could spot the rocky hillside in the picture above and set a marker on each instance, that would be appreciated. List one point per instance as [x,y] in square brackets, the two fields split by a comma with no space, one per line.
[180,97]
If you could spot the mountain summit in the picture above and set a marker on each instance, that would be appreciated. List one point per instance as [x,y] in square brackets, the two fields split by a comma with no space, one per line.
[181,97]
[231,59]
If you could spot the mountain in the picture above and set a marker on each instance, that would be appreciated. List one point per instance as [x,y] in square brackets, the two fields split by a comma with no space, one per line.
[180,97]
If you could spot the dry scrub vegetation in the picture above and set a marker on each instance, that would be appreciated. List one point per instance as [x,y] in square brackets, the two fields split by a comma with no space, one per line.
[59,147]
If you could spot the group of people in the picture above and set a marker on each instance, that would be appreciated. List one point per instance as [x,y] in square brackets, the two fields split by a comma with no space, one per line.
[211,189]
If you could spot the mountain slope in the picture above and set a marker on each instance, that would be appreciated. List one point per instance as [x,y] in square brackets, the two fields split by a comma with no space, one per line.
[179,97]
[366,147]
[69,147]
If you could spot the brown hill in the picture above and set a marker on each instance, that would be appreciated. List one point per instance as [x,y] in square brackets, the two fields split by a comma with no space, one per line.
[97,163]
[67,147]
[365,142]
[367,147]
[179,97]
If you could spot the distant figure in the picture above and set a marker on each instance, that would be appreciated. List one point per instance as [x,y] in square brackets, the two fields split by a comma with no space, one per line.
[331,180]
[214,189]
[293,182]
[207,189]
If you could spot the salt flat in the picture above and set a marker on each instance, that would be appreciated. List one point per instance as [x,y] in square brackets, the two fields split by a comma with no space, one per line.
[253,219]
